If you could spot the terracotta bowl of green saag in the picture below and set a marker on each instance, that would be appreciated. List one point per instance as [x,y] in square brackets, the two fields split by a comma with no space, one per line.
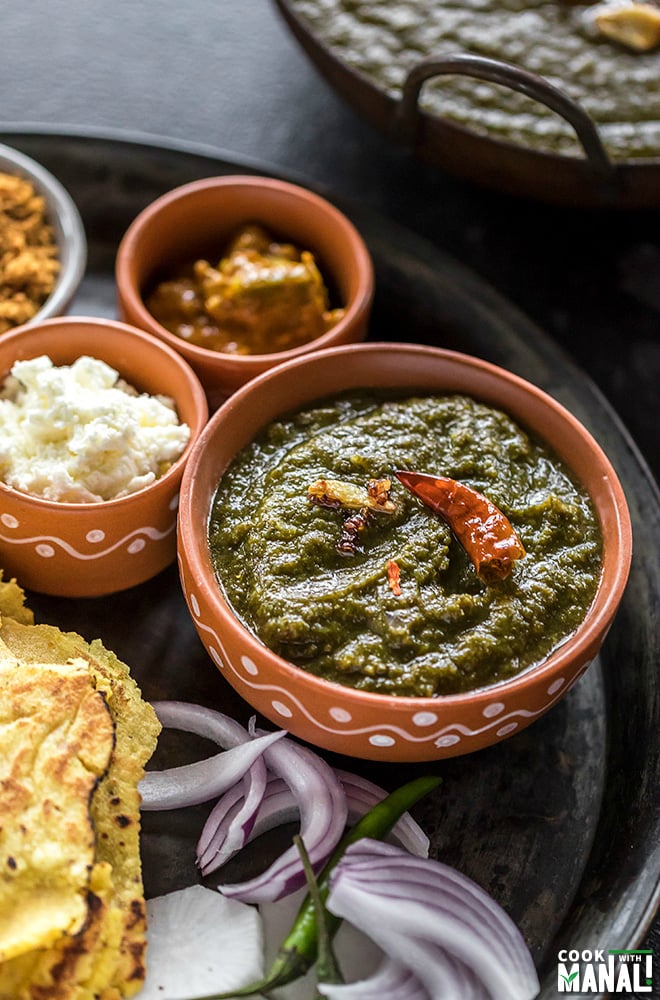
[384,616]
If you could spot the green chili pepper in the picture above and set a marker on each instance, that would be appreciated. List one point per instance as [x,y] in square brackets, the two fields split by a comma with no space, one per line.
[327,966]
[299,949]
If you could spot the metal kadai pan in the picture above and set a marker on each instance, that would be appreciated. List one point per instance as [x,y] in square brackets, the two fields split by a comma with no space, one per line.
[590,180]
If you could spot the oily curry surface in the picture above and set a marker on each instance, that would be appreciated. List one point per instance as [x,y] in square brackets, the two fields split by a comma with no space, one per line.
[438,628]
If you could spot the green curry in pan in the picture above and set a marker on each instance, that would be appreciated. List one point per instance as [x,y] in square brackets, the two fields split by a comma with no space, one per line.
[606,56]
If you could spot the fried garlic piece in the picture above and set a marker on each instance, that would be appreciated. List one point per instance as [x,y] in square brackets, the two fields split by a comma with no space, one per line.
[337,493]
[635,25]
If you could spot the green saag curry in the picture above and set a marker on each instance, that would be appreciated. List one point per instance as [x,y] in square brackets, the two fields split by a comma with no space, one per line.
[556,39]
[438,628]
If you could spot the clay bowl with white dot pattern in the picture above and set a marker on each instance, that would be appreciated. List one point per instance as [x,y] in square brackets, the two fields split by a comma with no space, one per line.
[94,548]
[365,724]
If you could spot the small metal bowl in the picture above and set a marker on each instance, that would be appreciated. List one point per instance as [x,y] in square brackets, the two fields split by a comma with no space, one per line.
[65,219]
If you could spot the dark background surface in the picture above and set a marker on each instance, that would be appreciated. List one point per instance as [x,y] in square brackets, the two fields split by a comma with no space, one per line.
[228,76]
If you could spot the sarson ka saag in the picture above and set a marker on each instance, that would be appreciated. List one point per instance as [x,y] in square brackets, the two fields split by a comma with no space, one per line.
[337,567]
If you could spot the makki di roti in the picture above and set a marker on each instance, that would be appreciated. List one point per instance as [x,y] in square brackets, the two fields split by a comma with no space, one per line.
[56,738]
[101,955]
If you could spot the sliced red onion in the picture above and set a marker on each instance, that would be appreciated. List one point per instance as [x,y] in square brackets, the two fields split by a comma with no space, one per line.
[222,837]
[391,980]
[206,722]
[279,806]
[451,978]
[223,812]
[363,795]
[202,780]
[372,865]
[434,920]
[231,821]
[226,831]
[323,812]
[225,732]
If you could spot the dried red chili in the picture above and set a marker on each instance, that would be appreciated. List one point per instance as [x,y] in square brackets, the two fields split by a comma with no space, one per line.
[483,530]
[394,577]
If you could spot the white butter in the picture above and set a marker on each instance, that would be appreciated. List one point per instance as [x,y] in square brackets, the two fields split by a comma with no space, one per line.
[77,433]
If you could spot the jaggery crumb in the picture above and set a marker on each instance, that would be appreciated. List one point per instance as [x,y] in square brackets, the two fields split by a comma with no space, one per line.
[29,263]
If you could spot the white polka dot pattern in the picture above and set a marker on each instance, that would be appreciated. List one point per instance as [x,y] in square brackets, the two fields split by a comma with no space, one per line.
[423,727]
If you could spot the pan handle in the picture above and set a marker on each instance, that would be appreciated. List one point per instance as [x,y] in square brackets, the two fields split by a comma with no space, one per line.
[406,121]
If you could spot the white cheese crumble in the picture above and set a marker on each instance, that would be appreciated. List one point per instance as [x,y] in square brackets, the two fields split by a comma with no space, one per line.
[78,433]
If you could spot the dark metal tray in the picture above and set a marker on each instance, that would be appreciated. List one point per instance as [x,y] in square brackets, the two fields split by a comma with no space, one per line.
[561,822]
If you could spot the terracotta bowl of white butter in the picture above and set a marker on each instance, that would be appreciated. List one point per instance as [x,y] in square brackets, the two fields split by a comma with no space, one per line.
[81,514]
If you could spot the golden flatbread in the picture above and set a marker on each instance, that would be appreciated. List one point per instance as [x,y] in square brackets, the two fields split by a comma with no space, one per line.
[12,602]
[73,969]
[105,961]
[56,738]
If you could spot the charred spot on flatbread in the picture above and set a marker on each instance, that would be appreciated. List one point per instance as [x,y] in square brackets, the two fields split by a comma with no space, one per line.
[73,969]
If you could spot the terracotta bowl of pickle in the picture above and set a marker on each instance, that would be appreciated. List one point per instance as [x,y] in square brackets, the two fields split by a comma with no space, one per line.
[97,420]
[44,240]
[240,273]
[398,552]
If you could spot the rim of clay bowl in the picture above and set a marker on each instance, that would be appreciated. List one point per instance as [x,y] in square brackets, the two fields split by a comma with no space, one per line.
[67,224]
[362,268]
[588,635]
[28,333]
